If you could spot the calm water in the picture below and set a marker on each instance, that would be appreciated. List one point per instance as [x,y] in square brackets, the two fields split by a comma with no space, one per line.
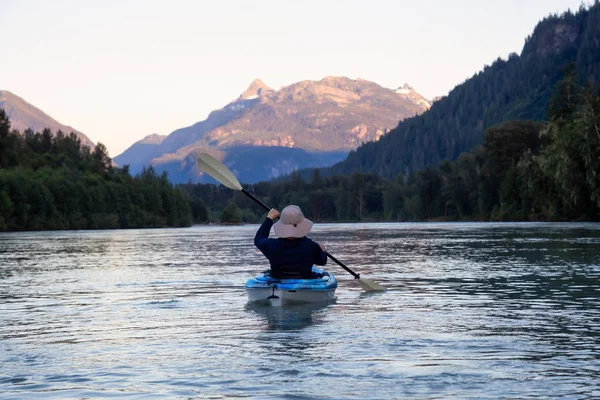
[472,311]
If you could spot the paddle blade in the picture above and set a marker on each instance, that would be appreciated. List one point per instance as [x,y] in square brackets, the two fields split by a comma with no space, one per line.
[370,285]
[218,171]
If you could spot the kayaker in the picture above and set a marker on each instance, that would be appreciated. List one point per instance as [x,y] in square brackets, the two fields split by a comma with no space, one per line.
[292,255]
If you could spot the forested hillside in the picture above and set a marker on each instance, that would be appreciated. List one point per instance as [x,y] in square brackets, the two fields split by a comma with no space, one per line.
[518,88]
[524,171]
[51,181]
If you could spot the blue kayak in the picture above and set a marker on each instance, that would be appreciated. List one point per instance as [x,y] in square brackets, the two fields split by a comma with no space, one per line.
[265,288]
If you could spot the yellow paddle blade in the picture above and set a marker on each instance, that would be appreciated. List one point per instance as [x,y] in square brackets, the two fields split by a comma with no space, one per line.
[370,285]
[218,171]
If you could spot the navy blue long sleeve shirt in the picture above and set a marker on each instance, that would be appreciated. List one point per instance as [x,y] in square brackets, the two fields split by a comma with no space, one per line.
[289,258]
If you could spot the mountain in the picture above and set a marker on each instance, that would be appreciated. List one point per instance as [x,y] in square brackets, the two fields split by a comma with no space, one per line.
[256,89]
[250,164]
[409,93]
[23,116]
[518,88]
[319,121]
[142,150]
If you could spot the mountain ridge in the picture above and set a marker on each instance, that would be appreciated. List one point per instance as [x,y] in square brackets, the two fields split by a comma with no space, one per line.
[335,114]
[257,88]
[23,115]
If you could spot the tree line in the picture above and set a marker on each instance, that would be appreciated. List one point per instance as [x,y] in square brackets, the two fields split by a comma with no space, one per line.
[524,171]
[50,181]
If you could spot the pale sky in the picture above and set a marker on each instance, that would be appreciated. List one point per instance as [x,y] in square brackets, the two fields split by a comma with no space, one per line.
[120,70]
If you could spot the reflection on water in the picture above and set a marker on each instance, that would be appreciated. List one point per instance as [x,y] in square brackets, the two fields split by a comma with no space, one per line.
[471,311]
[290,317]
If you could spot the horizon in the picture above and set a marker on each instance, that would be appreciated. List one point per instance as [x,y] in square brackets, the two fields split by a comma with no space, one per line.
[144,65]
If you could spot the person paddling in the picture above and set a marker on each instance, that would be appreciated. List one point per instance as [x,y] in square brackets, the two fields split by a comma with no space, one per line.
[292,255]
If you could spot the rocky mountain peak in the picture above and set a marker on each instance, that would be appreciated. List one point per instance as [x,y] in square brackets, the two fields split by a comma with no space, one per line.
[328,117]
[5,93]
[257,88]
[154,138]
[554,35]
[405,89]
[335,79]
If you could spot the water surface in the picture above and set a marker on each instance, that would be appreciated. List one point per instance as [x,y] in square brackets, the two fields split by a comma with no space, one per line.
[472,311]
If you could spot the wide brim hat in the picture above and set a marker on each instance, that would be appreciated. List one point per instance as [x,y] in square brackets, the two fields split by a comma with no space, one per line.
[292,223]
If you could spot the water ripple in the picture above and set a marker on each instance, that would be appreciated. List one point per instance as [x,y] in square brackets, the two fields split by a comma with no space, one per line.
[472,311]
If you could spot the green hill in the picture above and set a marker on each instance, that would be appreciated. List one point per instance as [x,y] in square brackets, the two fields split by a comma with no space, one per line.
[518,88]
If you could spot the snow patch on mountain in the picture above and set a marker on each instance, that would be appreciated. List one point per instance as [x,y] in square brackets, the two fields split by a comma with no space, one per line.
[409,93]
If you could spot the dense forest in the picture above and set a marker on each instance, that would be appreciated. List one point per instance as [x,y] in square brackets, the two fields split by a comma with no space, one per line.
[518,88]
[51,181]
[524,171]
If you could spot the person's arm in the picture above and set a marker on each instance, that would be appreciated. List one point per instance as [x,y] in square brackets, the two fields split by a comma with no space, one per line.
[262,235]
[319,255]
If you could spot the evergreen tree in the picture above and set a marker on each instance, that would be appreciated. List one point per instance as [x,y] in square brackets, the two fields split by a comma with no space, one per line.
[231,214]
[53,182]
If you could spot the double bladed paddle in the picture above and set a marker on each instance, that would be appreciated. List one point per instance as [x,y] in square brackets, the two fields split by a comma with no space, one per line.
[222,174]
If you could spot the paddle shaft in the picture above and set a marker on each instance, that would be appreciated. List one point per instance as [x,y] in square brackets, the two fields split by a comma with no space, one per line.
[257,201]
[338,262]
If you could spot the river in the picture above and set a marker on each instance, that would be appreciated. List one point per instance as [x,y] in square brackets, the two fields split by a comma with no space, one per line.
[472,311]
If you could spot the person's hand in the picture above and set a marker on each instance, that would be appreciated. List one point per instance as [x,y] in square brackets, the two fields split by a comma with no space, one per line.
[273,214]
[322,247]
